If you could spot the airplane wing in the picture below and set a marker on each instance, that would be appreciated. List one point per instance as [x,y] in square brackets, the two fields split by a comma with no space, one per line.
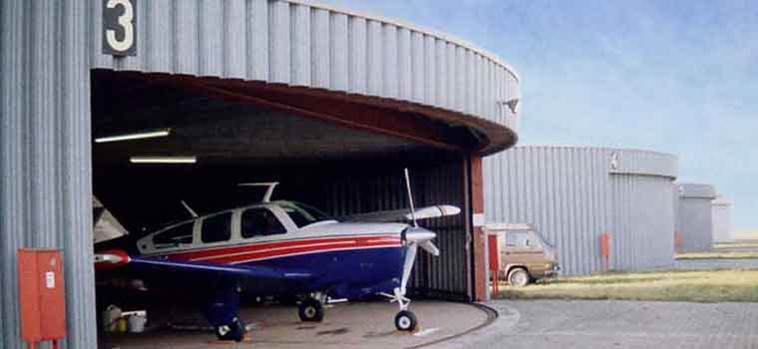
[119,259]
[405,215]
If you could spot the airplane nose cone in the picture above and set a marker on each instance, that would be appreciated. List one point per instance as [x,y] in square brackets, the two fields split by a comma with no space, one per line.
[419,235]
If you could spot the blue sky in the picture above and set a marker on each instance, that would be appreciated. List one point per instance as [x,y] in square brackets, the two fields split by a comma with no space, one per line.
[673,76]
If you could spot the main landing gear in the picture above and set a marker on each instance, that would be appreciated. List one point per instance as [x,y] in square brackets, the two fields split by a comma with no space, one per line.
[234,331]
[311,308]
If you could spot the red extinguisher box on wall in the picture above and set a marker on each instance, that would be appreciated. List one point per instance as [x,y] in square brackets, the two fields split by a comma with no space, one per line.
[41,297]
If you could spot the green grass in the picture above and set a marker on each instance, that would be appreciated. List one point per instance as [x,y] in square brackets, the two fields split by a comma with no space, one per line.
[718,255]
[738,244]
[691,286]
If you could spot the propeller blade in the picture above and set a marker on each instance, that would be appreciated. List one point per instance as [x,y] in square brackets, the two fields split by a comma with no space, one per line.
[410,197]
[428,246]
[434,212]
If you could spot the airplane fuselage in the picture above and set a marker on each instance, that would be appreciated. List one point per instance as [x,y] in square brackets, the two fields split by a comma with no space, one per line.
[347,260]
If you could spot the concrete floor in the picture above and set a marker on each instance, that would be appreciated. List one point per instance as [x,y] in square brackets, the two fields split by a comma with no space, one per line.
[346,325]
[615,324]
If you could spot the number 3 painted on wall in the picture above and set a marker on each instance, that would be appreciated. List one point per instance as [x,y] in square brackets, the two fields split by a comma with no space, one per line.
[125,21]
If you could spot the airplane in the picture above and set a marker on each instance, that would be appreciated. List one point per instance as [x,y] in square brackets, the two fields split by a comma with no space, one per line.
[281,248]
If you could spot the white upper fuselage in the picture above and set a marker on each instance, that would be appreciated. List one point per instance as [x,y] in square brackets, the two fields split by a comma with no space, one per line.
[260,224]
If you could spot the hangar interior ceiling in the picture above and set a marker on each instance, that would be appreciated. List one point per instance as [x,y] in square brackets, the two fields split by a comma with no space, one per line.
[220,126]
[340,167]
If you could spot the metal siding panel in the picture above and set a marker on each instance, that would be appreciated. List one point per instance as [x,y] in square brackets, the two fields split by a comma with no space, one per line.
[417,67]
[211,42]
[451,66]
[374,58]
[301,45]
[339,52]
[430,70]
[404,63]
[159,49]
[357,48]
[235,39]
[321,48]
[279,42]
[258,40]
[186,27]
[44,191]
[391,61]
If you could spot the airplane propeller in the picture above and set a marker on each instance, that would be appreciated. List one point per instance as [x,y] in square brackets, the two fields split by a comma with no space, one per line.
[417,236]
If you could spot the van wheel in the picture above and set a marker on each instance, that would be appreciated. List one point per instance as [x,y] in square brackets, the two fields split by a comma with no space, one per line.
[518,277]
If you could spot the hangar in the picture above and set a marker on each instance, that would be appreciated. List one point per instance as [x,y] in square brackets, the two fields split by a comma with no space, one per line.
[694,224]
[330,102]
[574,195]
[722,219]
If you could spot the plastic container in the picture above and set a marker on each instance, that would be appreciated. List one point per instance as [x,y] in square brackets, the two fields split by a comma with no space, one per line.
[110,318]
[137,323]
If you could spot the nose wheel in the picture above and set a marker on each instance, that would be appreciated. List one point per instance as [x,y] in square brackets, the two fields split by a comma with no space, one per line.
[405,320]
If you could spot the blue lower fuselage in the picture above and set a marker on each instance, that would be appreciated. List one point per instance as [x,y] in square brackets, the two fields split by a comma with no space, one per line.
[350,274]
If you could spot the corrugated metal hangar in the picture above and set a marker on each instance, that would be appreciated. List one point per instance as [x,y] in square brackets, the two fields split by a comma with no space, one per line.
[694,217]
[573,195]
[332,103]
[722,219]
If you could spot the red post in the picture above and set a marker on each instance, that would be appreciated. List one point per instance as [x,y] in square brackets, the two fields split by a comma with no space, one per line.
[605,250]
[494,262]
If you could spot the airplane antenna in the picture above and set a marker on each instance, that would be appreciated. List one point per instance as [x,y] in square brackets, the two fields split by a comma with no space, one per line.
[269,191]
[410,197]
[189,209]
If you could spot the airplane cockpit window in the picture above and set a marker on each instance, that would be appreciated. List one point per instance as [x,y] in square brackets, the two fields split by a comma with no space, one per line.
[260,222]
[217,228]
[181,234]
[303,214]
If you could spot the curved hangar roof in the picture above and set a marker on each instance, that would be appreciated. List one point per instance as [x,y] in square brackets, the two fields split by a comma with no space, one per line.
[296,55]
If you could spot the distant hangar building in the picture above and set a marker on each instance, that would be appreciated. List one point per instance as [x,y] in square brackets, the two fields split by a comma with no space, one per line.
[694,207]
[722,219]
[332,103]
[573,195]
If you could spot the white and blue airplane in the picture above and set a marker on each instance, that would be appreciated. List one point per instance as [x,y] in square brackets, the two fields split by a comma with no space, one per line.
[281,248]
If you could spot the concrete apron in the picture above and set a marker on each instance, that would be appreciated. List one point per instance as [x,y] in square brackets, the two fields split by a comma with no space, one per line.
[359,324]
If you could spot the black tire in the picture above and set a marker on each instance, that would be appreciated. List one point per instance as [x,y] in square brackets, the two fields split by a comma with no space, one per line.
[235,331]
[311,310]
[518,277]
[405,321]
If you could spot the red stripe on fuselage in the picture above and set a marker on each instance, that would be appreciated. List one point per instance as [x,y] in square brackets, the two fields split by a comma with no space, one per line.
[293,251]
[273,249]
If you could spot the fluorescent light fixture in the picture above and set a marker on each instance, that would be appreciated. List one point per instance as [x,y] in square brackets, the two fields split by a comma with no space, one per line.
[163,159]
[131,136]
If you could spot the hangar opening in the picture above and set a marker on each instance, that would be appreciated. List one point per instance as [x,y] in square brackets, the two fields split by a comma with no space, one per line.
[340,163]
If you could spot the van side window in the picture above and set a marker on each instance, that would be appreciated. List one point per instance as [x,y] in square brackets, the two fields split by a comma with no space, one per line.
[518,239]
[181,234]
[217,228]
[260,222]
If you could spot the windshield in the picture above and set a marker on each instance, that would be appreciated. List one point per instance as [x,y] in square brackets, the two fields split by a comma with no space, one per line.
[302,214]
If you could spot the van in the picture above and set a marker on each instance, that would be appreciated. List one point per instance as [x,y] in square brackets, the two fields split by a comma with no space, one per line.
[524,256]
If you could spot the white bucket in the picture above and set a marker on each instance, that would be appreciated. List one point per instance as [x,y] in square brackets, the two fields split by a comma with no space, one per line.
[137,323]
